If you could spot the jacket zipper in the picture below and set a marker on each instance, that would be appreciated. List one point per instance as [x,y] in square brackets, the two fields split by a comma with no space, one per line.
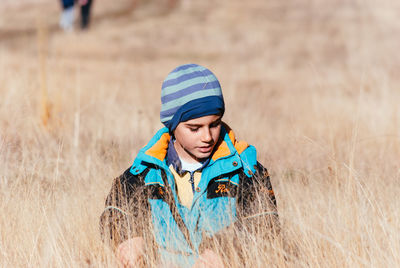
[191,180]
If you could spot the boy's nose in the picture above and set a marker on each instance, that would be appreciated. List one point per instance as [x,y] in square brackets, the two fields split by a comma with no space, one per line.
[206,137]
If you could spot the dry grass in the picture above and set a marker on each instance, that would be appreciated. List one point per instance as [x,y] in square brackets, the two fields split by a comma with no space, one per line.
[313,84]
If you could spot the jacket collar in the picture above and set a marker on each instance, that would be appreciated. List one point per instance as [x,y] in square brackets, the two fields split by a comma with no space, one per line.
[155,152]
[174,160]
[228,144]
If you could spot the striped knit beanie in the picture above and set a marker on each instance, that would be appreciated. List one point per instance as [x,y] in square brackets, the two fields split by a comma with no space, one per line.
[190,91]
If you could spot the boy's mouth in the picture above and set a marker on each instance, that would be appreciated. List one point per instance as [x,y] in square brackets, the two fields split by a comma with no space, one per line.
[206,149]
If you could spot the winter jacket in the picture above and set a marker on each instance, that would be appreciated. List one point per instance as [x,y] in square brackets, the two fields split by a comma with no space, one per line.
[228,193]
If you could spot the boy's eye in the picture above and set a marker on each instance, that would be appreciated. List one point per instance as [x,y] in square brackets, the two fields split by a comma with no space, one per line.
[194,129]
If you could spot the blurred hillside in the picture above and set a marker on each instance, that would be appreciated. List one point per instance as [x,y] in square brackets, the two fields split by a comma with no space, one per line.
[261,50]
[269,47]
[306,36]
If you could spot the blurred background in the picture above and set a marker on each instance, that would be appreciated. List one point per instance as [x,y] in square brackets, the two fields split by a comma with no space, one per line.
[312,84]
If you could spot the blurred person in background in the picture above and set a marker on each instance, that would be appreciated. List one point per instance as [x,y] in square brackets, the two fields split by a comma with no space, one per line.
[85,13]
[193,189]
[68,16]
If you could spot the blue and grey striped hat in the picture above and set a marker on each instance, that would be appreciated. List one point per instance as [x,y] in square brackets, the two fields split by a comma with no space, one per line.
[190,91]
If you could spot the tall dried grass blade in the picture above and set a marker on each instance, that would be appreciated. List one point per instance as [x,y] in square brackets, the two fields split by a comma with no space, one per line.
[42,40]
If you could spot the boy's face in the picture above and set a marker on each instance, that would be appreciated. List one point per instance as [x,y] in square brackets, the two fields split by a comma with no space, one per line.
[196,138]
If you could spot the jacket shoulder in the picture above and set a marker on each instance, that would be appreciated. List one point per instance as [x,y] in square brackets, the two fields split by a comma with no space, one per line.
[249,160]
[128,178]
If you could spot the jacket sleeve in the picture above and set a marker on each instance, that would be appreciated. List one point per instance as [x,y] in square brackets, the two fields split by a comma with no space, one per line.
[256,203]
[126,209]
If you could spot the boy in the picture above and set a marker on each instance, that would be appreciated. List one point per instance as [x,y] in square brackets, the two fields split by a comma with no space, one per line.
[191,183]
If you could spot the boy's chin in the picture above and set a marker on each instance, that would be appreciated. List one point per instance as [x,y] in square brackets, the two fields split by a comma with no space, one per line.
[202,156]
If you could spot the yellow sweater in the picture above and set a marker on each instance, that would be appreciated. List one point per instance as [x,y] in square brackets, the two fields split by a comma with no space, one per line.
[184,187]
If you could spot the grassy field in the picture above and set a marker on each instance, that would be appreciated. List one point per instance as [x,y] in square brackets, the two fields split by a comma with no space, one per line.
[312,84]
